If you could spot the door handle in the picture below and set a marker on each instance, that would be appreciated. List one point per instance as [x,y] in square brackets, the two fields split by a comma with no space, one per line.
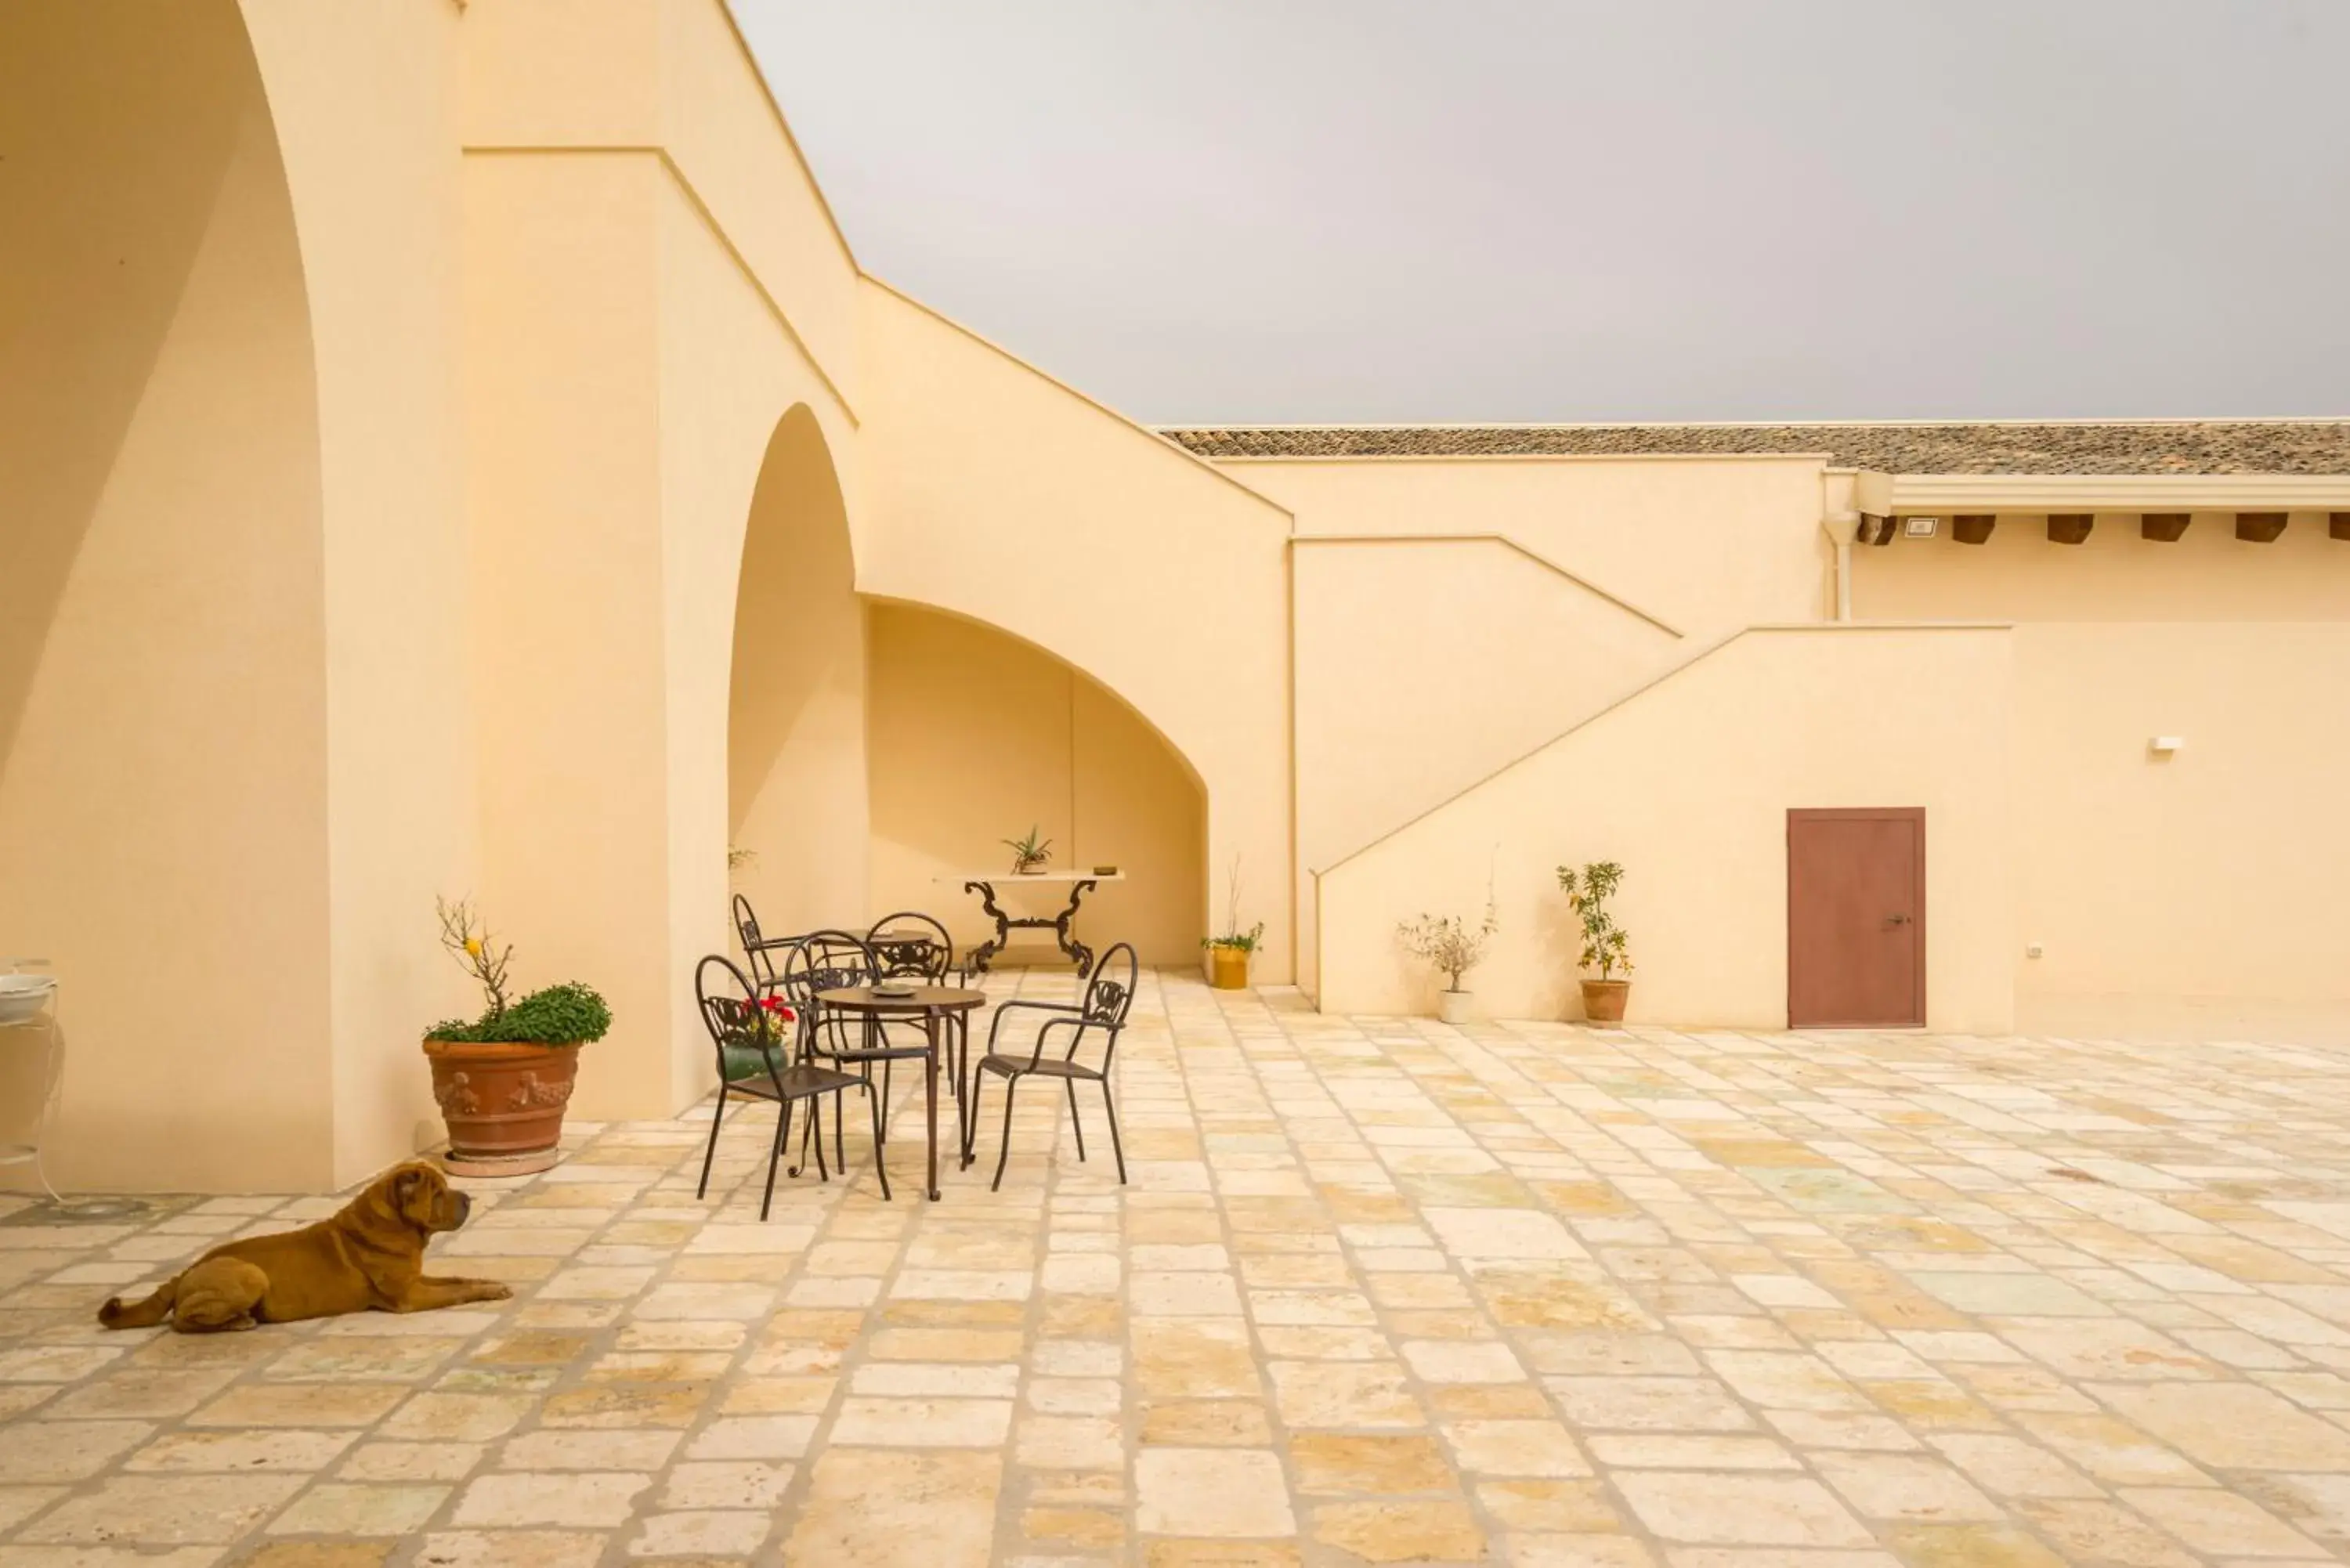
[1897,920]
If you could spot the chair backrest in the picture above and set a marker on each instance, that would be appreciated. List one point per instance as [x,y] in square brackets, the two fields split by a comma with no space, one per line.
[731,1011]
[1109,994]
[746,923]
[826,960]
[758,949]
[910,943]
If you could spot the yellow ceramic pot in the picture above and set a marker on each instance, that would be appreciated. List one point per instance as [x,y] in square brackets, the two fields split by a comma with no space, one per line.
[1228,968]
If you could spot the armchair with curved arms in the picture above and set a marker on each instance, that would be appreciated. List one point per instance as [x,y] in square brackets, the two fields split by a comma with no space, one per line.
[1109,998]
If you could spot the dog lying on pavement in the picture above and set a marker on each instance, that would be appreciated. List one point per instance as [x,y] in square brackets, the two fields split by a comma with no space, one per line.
[369,1256]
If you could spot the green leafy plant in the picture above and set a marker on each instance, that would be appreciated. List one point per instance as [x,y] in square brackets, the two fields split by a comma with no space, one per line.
[564,1014]
[1587,892]
[1029,852]
[1233,937]
[1449,941]
[738,857]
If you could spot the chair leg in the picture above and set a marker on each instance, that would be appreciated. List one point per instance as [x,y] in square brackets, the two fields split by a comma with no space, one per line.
[881,1122]
[717,1118]
[783,1131]
[967,1120]
[816,1117]
[1076,1126]
[1116,1148]
[1010,1084]
[811,1129]
[840,1125]
[881,1166]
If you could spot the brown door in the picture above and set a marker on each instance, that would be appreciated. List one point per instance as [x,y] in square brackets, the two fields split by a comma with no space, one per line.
[1856,919]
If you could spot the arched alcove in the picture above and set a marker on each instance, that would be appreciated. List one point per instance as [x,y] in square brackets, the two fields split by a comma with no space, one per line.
[162,665]
[875,745]
[974,736]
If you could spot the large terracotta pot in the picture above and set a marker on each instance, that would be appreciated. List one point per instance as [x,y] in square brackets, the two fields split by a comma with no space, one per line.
[1228,968]
[1603,1000]
[503,1104]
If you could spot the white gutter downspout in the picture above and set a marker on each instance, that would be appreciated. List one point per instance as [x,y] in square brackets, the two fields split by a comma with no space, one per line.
[1843,527]
[1846,495]
[1840,519]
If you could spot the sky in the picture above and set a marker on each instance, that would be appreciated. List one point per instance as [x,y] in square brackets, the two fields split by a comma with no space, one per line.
[1324,212]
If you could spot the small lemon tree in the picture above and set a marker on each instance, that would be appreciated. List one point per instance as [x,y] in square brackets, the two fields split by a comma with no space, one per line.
[1587,891]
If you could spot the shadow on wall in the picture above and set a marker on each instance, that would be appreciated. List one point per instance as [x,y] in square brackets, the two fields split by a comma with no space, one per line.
[975,736]
[796,726]
[163,661]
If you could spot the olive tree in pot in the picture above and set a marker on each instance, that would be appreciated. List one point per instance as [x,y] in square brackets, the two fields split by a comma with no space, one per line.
[1453,946]
[504,1079]
[1604,941]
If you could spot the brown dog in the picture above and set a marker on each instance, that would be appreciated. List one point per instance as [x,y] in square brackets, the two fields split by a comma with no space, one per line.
[368,1258]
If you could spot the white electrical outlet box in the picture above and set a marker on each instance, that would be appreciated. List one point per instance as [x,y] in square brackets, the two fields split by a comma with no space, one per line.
[2164,746]
[1920,527]
[2032,949]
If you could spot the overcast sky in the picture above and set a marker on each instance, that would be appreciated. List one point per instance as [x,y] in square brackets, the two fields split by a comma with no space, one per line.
[1323,210]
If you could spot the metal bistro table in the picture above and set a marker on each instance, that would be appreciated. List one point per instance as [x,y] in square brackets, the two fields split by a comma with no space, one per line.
[1063,926]
[933,1004]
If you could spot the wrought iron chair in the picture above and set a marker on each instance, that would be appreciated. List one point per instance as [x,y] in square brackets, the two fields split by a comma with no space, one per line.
[755,1059]
[759,950]
[1109,997]
[912,946]
[833,959]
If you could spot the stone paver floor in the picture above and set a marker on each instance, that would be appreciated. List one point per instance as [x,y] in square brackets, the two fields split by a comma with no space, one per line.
[1379,1291]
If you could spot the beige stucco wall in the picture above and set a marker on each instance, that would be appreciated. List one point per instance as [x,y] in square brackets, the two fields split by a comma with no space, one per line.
[163,670]
[1688,784]
[1455,614]
[2112,575]
[374,179]
[2196,897]
[1002,496]
[976,737]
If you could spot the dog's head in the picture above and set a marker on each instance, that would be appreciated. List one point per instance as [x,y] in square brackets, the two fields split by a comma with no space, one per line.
[422,1197]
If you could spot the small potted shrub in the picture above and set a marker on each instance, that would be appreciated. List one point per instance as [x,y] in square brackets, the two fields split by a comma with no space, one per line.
[1227,955]
[1031,854]
[1604,942]
[1454,946]
[502,1079]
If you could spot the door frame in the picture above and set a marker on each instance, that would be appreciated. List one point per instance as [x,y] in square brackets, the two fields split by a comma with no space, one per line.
[1916,813]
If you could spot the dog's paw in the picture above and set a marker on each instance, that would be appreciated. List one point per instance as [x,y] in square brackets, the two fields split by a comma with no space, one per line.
[492,1291]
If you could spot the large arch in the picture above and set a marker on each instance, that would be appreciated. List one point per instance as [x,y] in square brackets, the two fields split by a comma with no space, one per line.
[874,743]
[162,667]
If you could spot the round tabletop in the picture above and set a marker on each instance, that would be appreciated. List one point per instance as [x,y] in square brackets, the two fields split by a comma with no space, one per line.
[917,999]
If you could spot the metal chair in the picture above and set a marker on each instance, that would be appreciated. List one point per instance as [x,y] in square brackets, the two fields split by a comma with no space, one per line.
[833,959]
[755,1059]
[912,946]
[1109,997]
[758,949]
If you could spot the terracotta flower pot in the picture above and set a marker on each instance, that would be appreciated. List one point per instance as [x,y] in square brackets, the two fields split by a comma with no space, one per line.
[1228,968]
[503,1104]
[1603,1000]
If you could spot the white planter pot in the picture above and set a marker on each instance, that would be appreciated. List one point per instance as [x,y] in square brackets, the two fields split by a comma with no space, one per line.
[1452,1006]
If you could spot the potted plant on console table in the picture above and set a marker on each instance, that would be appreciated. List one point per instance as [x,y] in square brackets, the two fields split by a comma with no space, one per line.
[503,1080]
[1604,942]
